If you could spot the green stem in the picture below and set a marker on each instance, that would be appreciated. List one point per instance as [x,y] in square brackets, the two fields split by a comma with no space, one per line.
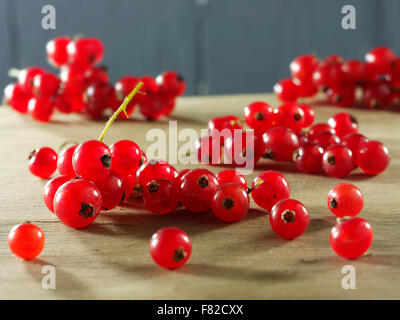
[122,108]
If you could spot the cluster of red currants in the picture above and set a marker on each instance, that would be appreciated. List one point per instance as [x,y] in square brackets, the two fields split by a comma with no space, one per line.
[335,146]
[377,79]
[82,86]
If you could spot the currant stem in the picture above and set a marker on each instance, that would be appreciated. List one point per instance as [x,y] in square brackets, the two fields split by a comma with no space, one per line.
[122,108]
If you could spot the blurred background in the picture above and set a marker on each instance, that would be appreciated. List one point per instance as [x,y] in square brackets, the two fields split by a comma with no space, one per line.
[219,46]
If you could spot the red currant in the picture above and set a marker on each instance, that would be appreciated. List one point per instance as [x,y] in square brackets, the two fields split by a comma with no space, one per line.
[304,66]
[73,80]
[221,124]
[351,238]
[373,157]
[98,98]
[328,75]
[45,85]
[56,50]
[26,240]
[337,161]
[290,116]
[156,107]
[317,128]
[111,190]
[308,158]
[342,95]
[231,175]
[376,96]
[160,196]
[286,90]
[17,97]
[42,162]
[353,71]
[126,157]
[128,183]
[280,143]
[25,76]
[85,51]
[171,83]
[354,141]
[343,124]
[309,115]
[208,150]
[64,163]
[345,199]
[170,247]
[289,218]
[51,188]
[155,169]
[380,59]
[259,116]
[306,88]
[325,139]
[41,109]
[96,75]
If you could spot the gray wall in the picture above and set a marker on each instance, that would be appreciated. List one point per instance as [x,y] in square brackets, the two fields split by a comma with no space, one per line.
[220,46]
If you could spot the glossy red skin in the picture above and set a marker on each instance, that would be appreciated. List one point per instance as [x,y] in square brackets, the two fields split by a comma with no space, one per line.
[354,141]
[231,175]
[303,66]
[56,50]
[128,183]
[280,143]
[25,76]
[155,169]
[317,128]
[373,158]
[193,195]
[273,188]
[326,139]
[351,238]
[259,116]
[286,90]
[96,75]
[308,158]
[234,149]
[208,150]
[291,116]
[42,162]
[98,98]
[342,95]
[62,103]
[337,161]
[111,190]
[26,240]
[150,88]
[309,115]
[227,124]
[164,244]
[345,200]
[51,188]
[156,106]
[45,85]
[328,75]
[126,157]
[380,59]
[85,52]
[343,124]
[41,109]
[238,195]
[306,88]
[353,71]
[87,160]
[376,96]
[73,80]
[171,83]
[64,163]
[123,87]
[178,178]
[70,198]
[17,97]
[162,201]
[293,228]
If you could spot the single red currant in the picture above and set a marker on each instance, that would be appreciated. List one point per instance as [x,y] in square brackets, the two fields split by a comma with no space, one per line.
[156,107]
[325,139]
[97,75]
[45,85]
[286,90]
[373,157]
[155,169]
[51,188]
[26,240]
[171,83]
[17,97]
[376,95]
[380,59]
[289,218]
[128,183]
[337,161]
[354,141]
[304,66]
[309,115]
[342,95]
[77,203]
[170,247]
[280,143]
[351,238]
[353,72]
[85,51]
[224,127]
[345,200]
[42,162]
[64,163]
[25,76]
[230,202]
[231,175]
[343,124]
[306,88]
[268,188]
[328,75]
[92,160]
[290,116]
[259,116]
[56,50]
[126,157]
[178,178]
[41,109]
[317,128]
[111,190]
[98,98]
[160,196]
[308,158]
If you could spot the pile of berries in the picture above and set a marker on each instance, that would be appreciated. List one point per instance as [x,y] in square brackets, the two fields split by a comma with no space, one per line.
[373,84]
[280,135]
[83,87]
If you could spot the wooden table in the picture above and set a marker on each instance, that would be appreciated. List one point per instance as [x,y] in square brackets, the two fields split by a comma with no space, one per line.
[245,260]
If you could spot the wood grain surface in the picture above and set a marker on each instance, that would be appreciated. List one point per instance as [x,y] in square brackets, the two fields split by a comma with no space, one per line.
[245,260]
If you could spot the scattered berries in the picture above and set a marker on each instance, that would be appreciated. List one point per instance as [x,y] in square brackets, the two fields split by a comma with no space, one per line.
[42,162]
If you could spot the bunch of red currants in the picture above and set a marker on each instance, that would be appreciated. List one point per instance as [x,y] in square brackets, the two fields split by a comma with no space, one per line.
[83,87]
[373,84]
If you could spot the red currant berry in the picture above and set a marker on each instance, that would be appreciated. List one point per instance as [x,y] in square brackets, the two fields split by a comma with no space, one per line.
[354,141]
[290,116]
[41,109]
[170,247]
[155,169]
[280,143]
[309,115]
[45,85]
[98,98]
[268,188]
[353,72]
[289,218]
[376,96]
[380,59]
[231,175]
[343,124]
[208,150]
[345,200]
[317,128]
[337,161]
[334,59]
[156,107]
[85,51]
[26,240]
[77,203]
[221,125]
[306,88]
[343,95]
[197,189]
[111,190]
[25,76]
[126,157]
[160,196]
[171,83]
[64,163]
[128,183]
[96,75]
[286,90]
[304,66]
[373,157]
[56,50]
[259,116]
[351,238]
[42,162]
[17,97]
[308,158]
[328,75]
[73,80]
[92,160]
[230,202]
[326,139]
[51,188]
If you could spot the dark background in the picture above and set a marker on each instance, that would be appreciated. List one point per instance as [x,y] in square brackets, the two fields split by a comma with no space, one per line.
[220,46]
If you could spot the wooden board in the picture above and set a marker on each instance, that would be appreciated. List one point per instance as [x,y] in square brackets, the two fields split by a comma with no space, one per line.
[110,259]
